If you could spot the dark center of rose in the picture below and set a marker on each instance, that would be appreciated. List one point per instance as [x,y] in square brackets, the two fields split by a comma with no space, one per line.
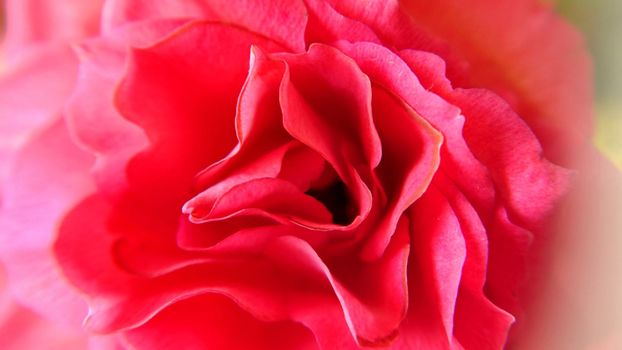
[336,199]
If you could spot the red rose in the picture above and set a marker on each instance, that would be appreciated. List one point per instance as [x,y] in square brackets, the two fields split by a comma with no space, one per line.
[291,174]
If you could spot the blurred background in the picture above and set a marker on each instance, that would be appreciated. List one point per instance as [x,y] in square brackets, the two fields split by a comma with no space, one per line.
[601,23]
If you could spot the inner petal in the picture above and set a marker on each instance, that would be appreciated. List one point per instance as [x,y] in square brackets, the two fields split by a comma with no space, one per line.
[326,104]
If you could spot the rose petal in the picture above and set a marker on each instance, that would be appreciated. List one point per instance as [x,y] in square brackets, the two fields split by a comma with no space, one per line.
[440,250]
[405,175]
[204,101]
[53,71]
[391,72]
[259,285]
[530,185]
[474,311]
[50,175]
[33,22]
[326,25]
[272,196]
[302,167]
[20,328]
[538,63]
[531,71]
[340,100]
[235,240]
[508,256]
[237,168]
[184,325]
[191,236]
[262,141]
[320,110]
[282,20]
[374,294]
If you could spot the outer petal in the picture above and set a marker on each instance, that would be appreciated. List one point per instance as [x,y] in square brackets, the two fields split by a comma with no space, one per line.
[537,62]
[530,185]
[327,25]
[478,323]
[21,329]
[392,73]
[199,87]
[434,272]
[91,113]
[31,22]
[281,20]
[215,322]
[50,176]
[25,111]
[284,270]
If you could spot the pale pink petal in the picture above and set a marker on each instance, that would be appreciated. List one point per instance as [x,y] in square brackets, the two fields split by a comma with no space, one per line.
[50,176]
[282,20]
[31,23]
[21,328]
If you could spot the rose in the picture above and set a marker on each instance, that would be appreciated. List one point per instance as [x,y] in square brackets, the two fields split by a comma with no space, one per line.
[342,191]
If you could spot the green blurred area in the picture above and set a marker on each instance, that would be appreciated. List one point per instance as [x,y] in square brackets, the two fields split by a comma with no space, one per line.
[601,23]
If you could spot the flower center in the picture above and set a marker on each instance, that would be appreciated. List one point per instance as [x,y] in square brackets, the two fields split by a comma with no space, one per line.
[336,199]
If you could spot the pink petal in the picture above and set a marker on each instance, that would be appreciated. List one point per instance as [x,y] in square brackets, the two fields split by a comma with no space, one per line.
[51,174]
[259,285]
[337,98]
[529,184]
[273,196]
[203,99]
[329,110]
[372,305]
[238,167]
[215,322]
[91,113]
[302,167]
[528,69]
[538,63]
[289,270]
[30,23]
[233,240]
[440,250]
[262,141]
[52,71]
[326,25]
[282,20]
[391,72]
[411,156]
[478,323]
[191,236]
[374,294]
[509,253]
[20,328]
